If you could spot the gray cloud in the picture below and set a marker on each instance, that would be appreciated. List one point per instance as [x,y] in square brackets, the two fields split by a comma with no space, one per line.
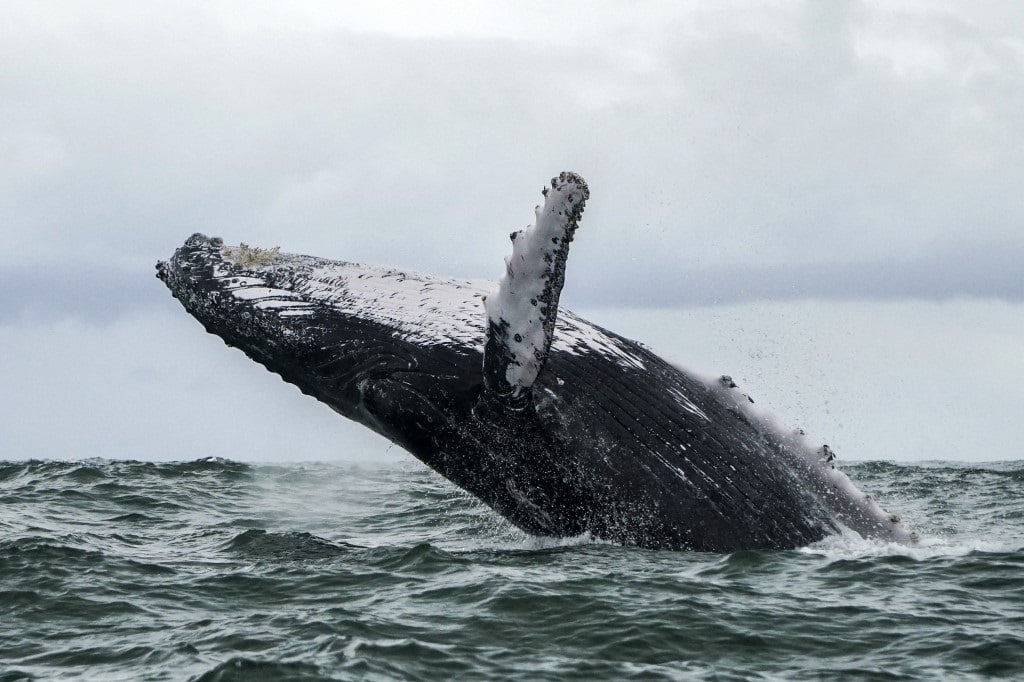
[974,270]
[804,149]
[101,295]
[894,380]
[735,152]
[87,292]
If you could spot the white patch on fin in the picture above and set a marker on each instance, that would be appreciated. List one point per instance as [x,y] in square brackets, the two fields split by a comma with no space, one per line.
[521,314]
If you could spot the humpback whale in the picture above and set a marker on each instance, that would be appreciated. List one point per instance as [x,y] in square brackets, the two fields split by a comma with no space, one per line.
[560,426]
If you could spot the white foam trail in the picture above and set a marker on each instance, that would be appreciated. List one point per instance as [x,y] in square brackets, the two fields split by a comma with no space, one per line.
[849,545]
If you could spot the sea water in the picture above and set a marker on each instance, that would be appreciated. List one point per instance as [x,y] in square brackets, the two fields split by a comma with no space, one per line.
[217,570]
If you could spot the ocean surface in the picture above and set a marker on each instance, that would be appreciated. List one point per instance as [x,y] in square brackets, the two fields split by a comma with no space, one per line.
[217,570]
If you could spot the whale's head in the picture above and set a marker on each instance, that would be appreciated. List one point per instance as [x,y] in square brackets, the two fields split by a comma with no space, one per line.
[398,352]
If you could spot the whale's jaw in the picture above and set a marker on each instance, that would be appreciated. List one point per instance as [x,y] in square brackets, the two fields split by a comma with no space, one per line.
[290,313]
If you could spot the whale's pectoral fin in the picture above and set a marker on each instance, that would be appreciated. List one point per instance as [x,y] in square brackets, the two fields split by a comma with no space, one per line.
[521,314]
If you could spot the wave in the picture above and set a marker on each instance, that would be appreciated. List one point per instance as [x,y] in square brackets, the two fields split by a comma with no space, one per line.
[290,546]
[216,570]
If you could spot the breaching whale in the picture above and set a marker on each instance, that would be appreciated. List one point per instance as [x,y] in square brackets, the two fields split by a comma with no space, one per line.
[560,426]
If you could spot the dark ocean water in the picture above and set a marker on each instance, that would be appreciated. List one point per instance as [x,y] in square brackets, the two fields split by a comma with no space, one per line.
[215,570]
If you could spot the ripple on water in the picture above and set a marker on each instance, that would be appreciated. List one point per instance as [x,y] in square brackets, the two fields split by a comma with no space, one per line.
[261,544]
[213,570]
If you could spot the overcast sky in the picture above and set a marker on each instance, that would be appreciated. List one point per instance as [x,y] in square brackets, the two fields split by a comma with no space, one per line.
[737,152]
